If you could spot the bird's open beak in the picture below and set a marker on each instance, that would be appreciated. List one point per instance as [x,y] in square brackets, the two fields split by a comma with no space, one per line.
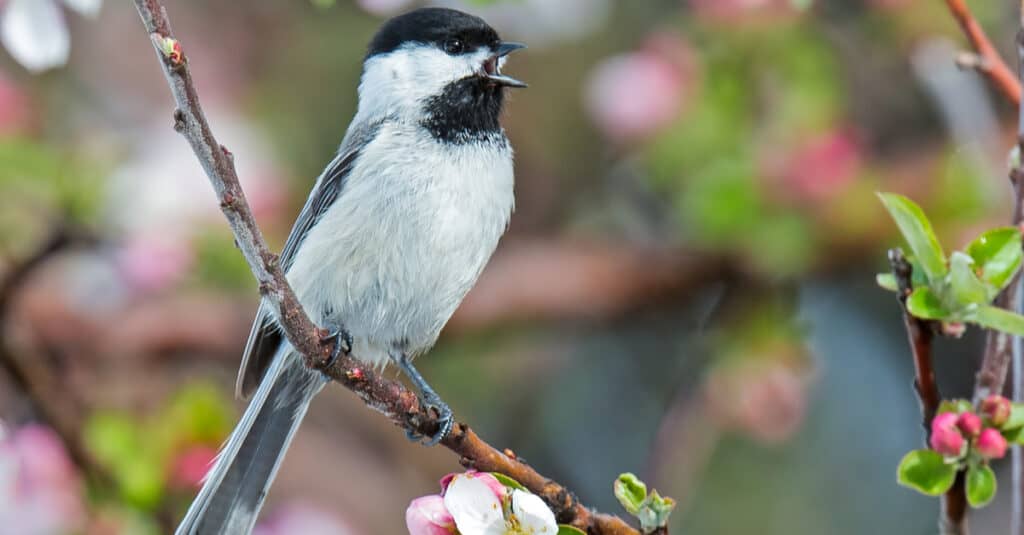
[491,70]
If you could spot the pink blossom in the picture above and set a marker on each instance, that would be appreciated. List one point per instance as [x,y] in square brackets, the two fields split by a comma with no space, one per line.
[297,517]
[991,444]
[946,438]
[820,167]
[499,490]
[633,95]
[764,400]
[154,262]
[40,492]
[997,409]
[428,516]
[189,468]
[969,424]
[14,107]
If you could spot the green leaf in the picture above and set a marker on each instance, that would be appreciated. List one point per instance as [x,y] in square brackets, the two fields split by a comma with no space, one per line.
[917,230]
[955,405]
[924,304]
[631,492]
[508,481]
[996,318]
[1014,435]
[981,485]
[967,288]
[926,472]
[566,529]
[1016,417]
[997,254]
[887,281]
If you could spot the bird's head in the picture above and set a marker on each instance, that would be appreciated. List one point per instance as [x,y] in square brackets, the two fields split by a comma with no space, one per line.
[431,57]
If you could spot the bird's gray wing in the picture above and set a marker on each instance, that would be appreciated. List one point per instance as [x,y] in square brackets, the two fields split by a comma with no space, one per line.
[265,335]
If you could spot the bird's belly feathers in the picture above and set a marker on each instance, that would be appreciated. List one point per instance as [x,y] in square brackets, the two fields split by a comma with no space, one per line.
[405,241]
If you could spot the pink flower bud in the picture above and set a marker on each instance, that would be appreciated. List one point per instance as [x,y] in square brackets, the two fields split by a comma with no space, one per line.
[428,516]
[969,424]
[991,444]
[996,409]
[946,438]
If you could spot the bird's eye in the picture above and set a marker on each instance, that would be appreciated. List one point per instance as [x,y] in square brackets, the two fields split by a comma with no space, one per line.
[454,46]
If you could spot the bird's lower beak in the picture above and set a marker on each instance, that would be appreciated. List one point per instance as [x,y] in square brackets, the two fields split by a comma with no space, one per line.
[491,70]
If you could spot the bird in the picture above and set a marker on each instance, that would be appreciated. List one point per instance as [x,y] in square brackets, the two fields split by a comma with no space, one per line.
[394,233]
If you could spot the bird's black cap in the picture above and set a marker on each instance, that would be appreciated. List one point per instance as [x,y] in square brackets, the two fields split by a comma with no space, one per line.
[433,25]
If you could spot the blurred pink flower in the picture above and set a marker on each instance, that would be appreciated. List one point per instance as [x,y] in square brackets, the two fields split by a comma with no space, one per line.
[35,34]
[40,491]
[427,515]
[754,11]
[946,437]
[633,95]
[384,7]
[14,107]
[969,424]
[996,409]
[991,444]
[189,468]
[297,517]
[151,262]
[819,167]
[764,400]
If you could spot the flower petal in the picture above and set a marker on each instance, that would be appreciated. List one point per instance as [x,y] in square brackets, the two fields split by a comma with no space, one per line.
[475,508]
[35,34]
[532,514]
[428,516]
[89,8]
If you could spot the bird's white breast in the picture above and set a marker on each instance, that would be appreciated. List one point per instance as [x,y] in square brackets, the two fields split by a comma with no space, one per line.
[413,227]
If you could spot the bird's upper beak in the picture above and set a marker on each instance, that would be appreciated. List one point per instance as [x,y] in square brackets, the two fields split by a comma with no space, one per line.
[491,71]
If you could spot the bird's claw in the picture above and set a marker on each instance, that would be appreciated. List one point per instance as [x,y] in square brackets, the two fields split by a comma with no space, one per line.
[432,404]
[342,344]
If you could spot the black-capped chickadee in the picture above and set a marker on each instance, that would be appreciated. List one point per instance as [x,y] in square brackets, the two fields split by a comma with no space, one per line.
[395,232]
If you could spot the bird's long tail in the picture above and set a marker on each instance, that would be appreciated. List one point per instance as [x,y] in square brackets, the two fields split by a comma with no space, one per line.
[234,489]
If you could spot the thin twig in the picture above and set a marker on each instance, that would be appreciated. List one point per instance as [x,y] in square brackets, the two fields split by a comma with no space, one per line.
[990,63]
[392,399]
[952,520]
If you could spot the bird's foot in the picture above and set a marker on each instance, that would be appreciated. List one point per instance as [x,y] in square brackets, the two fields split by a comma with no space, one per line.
[431,403]
[342,344]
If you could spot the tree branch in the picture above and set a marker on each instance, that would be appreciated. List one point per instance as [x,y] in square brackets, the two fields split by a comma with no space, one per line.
[33,377]
[952,520]
[392,399]
[989,62]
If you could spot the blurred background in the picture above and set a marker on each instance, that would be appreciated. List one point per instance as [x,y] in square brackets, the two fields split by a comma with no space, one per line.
[686,291]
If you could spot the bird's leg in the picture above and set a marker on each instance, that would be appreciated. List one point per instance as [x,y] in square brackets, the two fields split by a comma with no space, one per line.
[342,344]
[429,400]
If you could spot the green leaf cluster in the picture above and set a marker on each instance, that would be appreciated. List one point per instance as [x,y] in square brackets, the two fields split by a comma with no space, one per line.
[650,508]
[959,288]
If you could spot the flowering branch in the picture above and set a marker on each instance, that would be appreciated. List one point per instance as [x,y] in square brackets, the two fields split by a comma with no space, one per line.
[391,398]
[988,61]
[919,334]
